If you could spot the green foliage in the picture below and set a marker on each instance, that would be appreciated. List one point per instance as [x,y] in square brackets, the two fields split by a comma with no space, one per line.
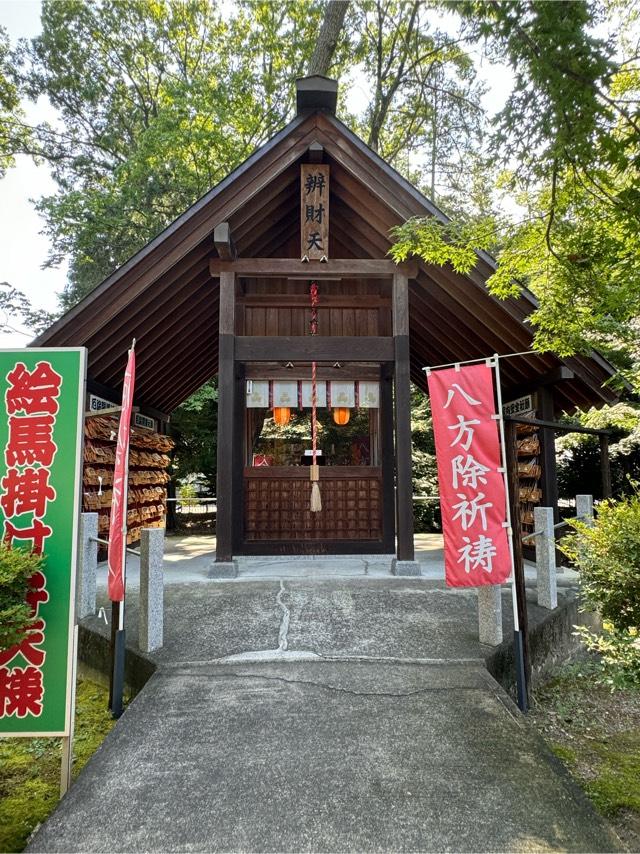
[453,243]
[194,426]
[569,141]
[608,557]
[558,107]
[16,307]
[426,514]
[424,115]
[578,454]
[14,135]
[619,655]
[17,566]
[159,100]
[30,767]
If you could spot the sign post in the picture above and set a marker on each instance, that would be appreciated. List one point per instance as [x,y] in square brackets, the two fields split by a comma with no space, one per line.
[42,395]
[468,427]
[117,550]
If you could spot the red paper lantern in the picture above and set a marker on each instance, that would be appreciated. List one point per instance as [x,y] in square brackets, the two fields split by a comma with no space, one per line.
[341,415]
[281,415]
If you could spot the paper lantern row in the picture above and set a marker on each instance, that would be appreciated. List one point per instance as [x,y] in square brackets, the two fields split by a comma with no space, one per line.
[266,394]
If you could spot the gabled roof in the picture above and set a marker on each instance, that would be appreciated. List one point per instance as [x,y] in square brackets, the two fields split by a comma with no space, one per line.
[165,297]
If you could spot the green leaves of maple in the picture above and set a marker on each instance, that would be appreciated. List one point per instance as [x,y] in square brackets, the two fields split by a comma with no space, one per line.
[570,137]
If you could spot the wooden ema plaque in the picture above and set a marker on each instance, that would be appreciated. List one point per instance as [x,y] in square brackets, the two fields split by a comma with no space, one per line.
[314,211]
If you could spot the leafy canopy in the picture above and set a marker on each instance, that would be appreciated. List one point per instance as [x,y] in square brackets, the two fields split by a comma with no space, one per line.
[158,101]
[569,143]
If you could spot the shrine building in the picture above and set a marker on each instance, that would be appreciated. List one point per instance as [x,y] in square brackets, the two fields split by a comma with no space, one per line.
[278,282]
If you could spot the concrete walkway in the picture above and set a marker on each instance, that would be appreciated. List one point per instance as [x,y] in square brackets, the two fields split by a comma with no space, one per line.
[343,714]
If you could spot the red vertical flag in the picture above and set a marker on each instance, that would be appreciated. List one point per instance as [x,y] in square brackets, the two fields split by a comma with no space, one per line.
[118,520]
[472,489]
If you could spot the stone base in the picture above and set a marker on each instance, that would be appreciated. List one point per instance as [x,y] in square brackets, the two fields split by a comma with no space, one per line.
[405,567]
[490,614]
[224,569]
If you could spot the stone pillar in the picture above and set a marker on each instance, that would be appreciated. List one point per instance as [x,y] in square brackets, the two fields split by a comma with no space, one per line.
[151,614]
[87,565]
[584,508]
[490,614]
[545,558]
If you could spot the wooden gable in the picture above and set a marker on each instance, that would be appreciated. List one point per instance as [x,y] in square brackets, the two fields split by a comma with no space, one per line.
[166,298]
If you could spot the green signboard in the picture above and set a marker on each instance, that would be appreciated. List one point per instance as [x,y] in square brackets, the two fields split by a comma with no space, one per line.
[41,433]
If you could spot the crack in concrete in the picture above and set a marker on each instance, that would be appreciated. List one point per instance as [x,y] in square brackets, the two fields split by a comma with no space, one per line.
[283,642]
[351,691]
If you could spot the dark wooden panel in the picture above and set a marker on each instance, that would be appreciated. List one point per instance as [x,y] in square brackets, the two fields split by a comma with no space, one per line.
[318,348]
[278,507]
[335,322]
[302,472]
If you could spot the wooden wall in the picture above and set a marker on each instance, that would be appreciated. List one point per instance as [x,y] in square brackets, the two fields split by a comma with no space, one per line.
[281,307]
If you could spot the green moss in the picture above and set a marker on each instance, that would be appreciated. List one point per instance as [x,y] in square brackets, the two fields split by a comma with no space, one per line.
[30,767]
[617,785]
[565,753]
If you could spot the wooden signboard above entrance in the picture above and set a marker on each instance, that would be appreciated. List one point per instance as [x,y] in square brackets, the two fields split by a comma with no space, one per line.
[314,211]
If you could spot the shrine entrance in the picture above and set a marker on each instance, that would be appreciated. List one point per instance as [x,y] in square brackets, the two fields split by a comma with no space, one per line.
[354,423]
[224,291]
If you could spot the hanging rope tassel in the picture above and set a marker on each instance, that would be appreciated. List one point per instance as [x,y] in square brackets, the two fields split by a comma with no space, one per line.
[316,498]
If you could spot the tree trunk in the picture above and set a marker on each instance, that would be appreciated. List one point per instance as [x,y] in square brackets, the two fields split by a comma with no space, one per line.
[334,15]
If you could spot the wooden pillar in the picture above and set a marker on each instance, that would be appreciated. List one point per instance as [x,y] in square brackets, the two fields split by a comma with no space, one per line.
[387,458]
[404,490]
[548,451]
[226,418]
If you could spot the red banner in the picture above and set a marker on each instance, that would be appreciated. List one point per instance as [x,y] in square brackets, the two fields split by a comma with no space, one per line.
[118,520]
[472,491]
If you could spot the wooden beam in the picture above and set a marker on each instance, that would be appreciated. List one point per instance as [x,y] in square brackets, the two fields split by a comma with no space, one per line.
[334,268]
[327,302]
[110,393]
[226,419]
[351,371]
[552,377]
[223,241]
[315,153]
[402,372]
[318,348]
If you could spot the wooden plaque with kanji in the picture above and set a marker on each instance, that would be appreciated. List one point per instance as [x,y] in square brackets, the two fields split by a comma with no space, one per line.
[314,210]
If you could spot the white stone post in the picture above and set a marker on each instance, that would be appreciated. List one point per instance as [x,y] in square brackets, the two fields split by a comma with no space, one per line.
[490,614]
[87,565]
[545,558]
[584,508]
[151,613]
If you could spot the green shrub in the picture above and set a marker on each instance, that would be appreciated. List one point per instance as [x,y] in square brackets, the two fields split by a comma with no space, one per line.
[608,557]
[17,566]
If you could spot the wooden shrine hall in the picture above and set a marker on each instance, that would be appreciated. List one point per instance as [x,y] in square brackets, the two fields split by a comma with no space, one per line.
[278,282]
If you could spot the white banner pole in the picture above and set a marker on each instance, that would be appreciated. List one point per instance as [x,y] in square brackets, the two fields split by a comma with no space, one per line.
[505,475]
[67,741]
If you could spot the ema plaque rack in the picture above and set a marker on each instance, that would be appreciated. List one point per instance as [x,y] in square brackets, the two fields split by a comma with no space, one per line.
[148,476]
